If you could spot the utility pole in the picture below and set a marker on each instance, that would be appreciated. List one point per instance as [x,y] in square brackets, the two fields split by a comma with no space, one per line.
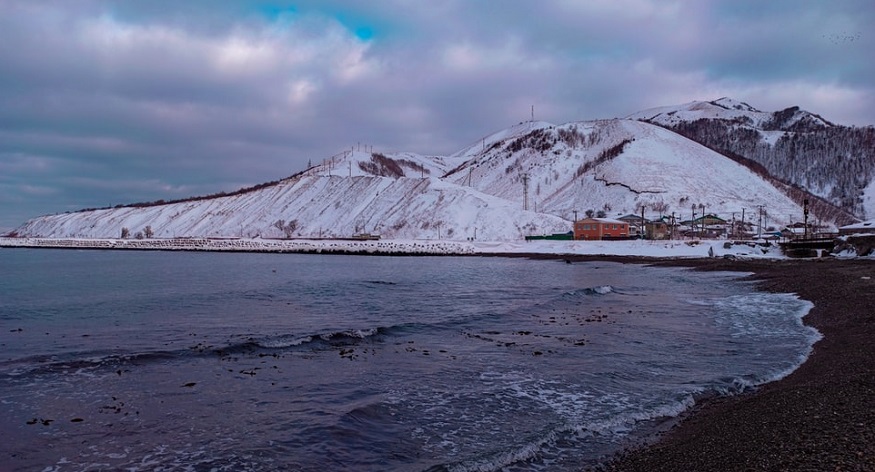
[742,219]
[732,231]
[693,221]
[704,220]
[760,221]
[643,226]
[805,218]
[533,113]
[574,226]
[525,191]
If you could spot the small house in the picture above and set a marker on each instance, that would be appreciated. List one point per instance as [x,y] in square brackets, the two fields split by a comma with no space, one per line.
[709,226]
[637,225]
[657,229]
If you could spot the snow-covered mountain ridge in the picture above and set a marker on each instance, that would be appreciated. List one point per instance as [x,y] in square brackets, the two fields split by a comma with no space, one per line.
[531,178]
[799,148]
[726,109]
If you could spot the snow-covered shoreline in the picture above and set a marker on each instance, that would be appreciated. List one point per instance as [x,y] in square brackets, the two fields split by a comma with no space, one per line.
[639,248]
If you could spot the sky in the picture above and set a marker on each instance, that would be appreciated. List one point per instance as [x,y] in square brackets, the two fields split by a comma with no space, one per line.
[114,102]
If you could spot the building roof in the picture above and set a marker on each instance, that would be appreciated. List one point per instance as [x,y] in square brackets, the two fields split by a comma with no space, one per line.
[863,225]
[603,220]
[632,218]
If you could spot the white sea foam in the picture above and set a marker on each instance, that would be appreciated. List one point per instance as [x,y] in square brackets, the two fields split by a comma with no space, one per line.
[597,290]
[352,333]
[773,319]
[284,342]
[603,289]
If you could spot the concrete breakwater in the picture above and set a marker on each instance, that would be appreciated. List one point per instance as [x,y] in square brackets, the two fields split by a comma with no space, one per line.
[252,245]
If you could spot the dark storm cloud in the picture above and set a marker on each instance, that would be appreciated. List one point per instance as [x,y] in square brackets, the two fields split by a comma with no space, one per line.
[114,102]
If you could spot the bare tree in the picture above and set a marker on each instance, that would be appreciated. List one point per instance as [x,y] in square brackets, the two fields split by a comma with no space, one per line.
[660,207]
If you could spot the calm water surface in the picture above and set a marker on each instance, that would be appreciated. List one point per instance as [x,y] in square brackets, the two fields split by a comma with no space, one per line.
[205,361]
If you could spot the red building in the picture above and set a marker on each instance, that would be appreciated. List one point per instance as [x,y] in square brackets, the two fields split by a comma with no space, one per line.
[600,228]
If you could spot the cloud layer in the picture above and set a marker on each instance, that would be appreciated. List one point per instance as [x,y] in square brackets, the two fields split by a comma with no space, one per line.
[116,102]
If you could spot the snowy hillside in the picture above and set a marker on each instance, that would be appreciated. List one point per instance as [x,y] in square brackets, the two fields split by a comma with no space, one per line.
[528,179]
[730,110]
[724,108]
[317,206]
[799,148]
[617,166]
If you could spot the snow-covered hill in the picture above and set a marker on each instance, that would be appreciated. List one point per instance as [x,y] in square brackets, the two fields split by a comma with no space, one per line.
[617,166]
[800,148]
[317,206]
[731,110]
[528,179]
[723,108]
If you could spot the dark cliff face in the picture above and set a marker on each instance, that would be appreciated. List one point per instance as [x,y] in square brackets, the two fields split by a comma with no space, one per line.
[830,161]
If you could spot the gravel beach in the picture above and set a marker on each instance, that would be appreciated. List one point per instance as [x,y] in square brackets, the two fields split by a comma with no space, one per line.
[819,418]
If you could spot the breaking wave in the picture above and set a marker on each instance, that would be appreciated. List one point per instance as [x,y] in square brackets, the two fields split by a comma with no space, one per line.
[85,362]
[590,291]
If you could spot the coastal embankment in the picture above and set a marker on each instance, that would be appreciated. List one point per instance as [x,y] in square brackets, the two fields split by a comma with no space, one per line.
[690,248]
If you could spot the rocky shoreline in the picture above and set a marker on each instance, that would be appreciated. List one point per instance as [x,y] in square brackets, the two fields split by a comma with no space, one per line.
[821,417]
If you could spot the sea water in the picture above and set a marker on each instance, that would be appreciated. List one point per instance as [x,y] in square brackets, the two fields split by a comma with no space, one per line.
[211,362]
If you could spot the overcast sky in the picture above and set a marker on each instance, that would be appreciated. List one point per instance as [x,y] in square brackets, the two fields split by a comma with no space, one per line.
[109,102]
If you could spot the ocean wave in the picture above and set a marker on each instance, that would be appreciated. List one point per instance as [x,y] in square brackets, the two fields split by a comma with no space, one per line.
[616,426]
[83,362]
[590,291]
[86,362]
[280,342]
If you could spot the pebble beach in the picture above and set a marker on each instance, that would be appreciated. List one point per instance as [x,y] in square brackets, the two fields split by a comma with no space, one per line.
[821,417]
